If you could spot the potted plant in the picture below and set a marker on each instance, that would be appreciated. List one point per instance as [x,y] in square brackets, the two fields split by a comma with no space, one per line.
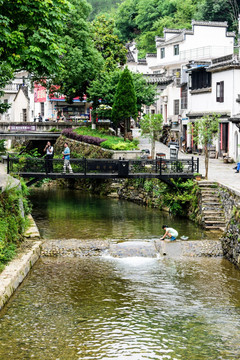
[197,176]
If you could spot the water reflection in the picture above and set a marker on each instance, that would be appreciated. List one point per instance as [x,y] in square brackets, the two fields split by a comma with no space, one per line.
[72,214]
[124,309]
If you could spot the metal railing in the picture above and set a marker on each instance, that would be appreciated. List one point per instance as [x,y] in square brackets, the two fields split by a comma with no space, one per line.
[104,167]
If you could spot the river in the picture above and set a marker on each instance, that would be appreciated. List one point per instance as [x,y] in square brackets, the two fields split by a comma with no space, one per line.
[120,308]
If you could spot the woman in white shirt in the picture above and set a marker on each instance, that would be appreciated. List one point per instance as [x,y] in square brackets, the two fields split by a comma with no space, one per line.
[171,233]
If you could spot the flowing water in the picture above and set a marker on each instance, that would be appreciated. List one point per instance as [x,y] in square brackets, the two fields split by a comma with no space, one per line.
[120,308]
[71,214]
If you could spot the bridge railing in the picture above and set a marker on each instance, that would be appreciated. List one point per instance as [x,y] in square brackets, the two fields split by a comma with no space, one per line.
[120,168]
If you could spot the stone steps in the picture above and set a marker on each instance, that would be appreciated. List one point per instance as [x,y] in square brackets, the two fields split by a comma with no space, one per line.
[212,214]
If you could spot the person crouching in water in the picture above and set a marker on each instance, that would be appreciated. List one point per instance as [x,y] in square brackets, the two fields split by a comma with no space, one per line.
[170,233]
[66,155]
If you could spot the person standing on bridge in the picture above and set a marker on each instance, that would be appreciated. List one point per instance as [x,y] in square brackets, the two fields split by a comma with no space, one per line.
[66,156]
[49,157]
[170,233]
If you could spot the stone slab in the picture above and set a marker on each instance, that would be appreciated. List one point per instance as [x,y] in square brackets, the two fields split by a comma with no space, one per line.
[190,248]
[74,247]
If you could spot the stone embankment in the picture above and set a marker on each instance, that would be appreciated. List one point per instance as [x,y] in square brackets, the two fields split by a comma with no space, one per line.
[231,238]
[14,273]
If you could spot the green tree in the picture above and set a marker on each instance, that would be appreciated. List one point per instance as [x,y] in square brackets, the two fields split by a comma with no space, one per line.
[151,126]
[220,10]
[107,43]
[102,6]
[126,20]
[125,101]
[205,130]
[30,33]
[81,62]
[104,87]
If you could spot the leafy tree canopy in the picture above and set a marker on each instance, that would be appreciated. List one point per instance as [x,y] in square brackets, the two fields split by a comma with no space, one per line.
[102,6]
[104,87]
[108,43]
[81,61]
[220,10]
[30,33]
[143,20]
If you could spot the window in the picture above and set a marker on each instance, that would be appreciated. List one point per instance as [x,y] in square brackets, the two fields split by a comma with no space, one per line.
[176,107]
[176,49]
[162,53]
[184,97]
[220,91]
[42,108]
[24,114]
[201,79]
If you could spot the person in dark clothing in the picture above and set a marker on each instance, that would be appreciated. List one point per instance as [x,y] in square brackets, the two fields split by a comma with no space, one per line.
[48,157]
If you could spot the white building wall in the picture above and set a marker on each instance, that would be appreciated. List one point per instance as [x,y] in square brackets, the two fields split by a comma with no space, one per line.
[20,103]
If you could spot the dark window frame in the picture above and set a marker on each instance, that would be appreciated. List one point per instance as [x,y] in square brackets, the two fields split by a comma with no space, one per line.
[162,52]
[176,106]
[220,91]
[176,49]
[201,79]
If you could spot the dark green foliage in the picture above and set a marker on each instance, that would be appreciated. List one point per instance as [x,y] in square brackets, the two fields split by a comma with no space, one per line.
[143,20]
[102,6]
[81,61]
[12,224]
[220,10]
[107,43]
[125,101]
[2,146]
[30,33]
[105,85]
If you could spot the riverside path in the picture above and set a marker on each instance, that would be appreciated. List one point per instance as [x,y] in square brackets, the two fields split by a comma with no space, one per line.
[218,171]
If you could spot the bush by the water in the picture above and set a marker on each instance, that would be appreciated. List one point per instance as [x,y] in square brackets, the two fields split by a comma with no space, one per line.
[110,142]
[12,222]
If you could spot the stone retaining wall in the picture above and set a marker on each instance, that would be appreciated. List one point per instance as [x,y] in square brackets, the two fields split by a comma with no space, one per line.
[231,238]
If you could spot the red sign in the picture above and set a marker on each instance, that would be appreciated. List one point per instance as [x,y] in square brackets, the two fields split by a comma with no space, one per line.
[40,94]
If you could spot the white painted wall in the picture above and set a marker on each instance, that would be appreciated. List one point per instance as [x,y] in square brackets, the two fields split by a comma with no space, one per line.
[19,103]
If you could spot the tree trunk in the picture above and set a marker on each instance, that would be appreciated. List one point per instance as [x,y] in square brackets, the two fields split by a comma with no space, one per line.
[125,129]
[153,147]
[206,162]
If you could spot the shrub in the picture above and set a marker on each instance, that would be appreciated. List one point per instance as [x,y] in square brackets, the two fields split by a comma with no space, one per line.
[69,133]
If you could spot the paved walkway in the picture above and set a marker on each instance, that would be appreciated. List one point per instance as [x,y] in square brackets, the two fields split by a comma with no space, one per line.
[218,171]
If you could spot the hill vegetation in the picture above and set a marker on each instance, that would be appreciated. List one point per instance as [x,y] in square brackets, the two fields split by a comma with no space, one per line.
[142,20]
[102,6]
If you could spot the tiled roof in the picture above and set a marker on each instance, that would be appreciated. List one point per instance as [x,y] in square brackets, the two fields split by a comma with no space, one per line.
[210,23]
[224,63]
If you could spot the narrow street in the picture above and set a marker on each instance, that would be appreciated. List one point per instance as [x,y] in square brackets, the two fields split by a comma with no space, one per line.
[218,171]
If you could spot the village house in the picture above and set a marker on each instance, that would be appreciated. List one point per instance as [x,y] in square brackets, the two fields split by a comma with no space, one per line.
[183,57]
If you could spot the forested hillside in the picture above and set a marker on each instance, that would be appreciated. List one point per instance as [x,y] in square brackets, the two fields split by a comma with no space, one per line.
[142,20]
[102,6]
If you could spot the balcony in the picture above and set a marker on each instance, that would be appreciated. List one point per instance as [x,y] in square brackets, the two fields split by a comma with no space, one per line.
[12,88]
[206,52]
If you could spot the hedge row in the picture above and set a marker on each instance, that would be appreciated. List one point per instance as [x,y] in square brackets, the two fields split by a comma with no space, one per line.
[69,133]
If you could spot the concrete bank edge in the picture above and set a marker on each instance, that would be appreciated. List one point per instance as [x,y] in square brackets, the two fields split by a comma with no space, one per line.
[16,271]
